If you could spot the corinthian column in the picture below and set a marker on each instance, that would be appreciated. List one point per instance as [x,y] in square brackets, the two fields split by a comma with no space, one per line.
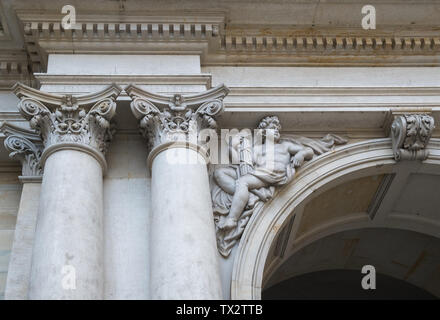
[67,261]
[184,258]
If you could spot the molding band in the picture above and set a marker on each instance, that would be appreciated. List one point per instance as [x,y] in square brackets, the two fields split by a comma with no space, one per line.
[30,179]
[74,146]
[176,144]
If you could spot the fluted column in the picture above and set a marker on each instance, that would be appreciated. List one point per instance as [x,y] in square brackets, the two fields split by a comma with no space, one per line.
[67,261]
[26,147]
[184,258]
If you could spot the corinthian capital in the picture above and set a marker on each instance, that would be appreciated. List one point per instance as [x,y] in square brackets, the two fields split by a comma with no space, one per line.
[66,121]
[25,146]
[177,118]
[410,133]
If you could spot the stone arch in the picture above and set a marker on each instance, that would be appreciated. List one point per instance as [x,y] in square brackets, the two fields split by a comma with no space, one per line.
[359,159]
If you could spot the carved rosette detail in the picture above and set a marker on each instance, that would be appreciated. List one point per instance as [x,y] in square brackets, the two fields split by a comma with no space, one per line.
[177,118]
[27,152]
[410,134]
[71,122]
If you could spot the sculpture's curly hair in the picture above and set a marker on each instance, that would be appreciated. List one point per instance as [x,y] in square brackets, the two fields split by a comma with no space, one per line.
[270,122]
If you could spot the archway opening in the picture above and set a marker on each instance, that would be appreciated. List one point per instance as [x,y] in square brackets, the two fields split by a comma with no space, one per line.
[343,284]
[406,266]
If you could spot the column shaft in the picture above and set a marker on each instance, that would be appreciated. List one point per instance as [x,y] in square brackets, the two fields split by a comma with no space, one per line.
[184,259]
[69,229]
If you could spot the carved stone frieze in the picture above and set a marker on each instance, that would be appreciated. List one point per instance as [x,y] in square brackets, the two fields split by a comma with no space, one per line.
[410,133]
[68,121]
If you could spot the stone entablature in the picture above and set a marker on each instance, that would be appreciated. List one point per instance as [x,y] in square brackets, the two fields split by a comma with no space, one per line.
[208,35]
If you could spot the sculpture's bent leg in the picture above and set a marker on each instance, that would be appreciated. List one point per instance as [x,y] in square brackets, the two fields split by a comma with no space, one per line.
[225,178]
[241,198]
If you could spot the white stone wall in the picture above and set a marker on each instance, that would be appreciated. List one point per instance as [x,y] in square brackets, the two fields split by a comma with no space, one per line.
[126,219]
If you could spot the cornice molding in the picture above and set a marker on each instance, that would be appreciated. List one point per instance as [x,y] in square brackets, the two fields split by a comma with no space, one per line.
[339,40]
[14,67]
[190,79]
[334,91]
[370,108]
[328,46]
[207,34]
[136,32]
[138,16]
[191,101]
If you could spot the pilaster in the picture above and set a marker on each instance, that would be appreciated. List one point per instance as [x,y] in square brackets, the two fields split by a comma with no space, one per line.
[25,146]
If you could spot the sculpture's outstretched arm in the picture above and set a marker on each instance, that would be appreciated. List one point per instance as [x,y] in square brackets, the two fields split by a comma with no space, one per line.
[300,153]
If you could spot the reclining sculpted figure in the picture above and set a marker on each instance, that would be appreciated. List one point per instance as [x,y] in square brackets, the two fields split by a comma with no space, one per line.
[271,161]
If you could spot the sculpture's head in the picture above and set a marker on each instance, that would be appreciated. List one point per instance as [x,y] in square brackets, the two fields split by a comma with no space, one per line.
[271,125]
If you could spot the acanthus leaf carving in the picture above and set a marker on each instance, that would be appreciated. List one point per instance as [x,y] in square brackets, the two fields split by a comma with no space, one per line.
[23,145]
[27,152]
[62,119]
[165,119]
[240,190]
[410,134]
[210,109]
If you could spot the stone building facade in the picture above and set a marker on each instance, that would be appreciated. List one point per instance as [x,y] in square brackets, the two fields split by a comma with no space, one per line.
[218,149]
